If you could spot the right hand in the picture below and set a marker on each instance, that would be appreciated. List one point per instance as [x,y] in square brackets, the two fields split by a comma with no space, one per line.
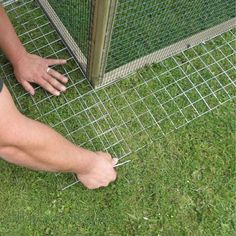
[102,172]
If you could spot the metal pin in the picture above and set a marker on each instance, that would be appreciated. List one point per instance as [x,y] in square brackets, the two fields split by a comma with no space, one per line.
[70,185]
[123,163]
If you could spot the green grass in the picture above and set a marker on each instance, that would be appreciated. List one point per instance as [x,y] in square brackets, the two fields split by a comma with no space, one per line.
[184,184]
[181,184]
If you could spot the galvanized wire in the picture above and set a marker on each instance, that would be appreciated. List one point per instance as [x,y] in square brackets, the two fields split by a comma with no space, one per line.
[142,27]
[75,15]
[134,112]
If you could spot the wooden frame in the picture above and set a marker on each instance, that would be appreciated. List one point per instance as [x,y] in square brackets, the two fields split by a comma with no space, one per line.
[103,13]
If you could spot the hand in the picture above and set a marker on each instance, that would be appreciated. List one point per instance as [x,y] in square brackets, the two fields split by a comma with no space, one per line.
[101,173]
[34,69]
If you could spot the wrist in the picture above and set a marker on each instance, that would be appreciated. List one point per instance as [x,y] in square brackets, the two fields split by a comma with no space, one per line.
[22,53]
[85,162]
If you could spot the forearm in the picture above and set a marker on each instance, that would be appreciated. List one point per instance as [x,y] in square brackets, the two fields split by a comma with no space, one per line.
[34,145]
[10,44]
[38,147]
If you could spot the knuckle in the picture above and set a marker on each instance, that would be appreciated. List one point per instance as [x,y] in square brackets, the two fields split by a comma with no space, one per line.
[105,184]
[48,87]
[108,156]
[48,79]
[90,186]
[51,90]
[57,86]
[113,177]
[56,83]
[53,81]
[44,83]
[58,76]
[50,72]
[54,73]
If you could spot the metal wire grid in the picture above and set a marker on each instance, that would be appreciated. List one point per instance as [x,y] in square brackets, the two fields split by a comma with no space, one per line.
[134,112]
[67,112]
[152,25]
[6,2]
[75,15]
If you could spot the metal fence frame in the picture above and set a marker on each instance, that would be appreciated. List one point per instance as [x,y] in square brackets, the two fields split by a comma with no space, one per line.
[101,27]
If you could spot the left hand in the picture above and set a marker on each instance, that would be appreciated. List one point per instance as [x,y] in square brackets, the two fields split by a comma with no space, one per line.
[34,69]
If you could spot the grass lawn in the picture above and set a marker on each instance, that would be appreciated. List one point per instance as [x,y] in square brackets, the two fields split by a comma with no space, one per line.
[182,183]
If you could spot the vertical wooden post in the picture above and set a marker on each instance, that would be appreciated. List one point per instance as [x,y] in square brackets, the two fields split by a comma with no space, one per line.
[103,12]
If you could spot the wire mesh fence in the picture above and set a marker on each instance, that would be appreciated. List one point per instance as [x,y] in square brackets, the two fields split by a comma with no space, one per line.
[143,27]
[122,36]
[76,18]
[132,113]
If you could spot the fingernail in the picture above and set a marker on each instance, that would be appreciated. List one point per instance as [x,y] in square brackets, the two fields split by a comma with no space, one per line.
[115,160]
[63,88]
[65,79]
[57,93]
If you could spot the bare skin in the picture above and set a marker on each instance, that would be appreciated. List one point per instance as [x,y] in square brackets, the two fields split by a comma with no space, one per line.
[34,145]
[29,68]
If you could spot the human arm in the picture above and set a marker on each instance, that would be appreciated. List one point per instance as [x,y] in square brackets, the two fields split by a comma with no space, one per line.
[28,143]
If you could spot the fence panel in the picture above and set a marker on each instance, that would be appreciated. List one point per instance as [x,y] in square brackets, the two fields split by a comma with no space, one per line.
[143,27]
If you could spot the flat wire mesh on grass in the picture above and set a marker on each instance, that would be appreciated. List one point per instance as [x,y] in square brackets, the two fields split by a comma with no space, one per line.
[143,27]
[134,112]
[7,2]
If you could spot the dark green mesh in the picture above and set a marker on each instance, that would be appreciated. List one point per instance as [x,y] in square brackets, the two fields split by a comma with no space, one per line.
[144,26]
[75,15]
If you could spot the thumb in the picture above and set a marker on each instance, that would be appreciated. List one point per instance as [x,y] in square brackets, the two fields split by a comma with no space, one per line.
[115,161]
[28,87]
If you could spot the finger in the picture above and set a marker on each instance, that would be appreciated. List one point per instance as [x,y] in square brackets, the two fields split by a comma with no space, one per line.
[92,186]
[28,87]
[114,177]
[106,155]
[115,161]
[58,86]
[104,185]
[51,62]
[57,76]
[48,87]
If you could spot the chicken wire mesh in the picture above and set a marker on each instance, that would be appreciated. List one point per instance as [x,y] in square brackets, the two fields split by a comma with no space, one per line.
[122,36]
[152,25]
[134,112]
[75,15]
